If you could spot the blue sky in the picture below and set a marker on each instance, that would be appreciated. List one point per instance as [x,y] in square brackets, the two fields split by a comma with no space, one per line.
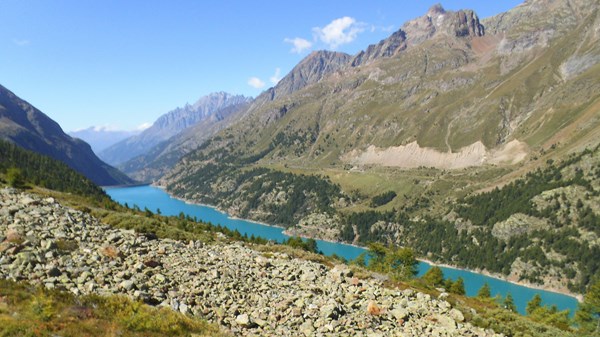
[124,63]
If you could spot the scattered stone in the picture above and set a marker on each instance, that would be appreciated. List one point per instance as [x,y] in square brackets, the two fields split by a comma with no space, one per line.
[400,314]
[226,283]
[243,320]
[54,272]
[113,237]
[152,263]
[13,236]
[373,309]
[456,315]
[160,278]
[28,201]
[127,285]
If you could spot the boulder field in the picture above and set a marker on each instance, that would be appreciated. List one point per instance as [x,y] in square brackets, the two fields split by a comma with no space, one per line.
[247,292]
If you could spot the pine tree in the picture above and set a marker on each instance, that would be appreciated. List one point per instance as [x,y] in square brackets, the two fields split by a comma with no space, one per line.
[588,315]
[434,276]
[360,260]
[377,253]
[14,177]
[509,303]
[534,304]
[458,287]
[485,291]
[448,284]
[402,263]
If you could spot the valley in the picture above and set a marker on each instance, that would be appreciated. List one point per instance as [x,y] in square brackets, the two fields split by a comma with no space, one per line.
[153,198]
[462,142]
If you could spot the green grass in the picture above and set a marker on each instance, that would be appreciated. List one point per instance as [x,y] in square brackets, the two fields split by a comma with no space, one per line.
[27,310]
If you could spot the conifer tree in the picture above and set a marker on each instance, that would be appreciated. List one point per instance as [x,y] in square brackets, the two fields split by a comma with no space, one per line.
[484,291]
[534,304]
[509,303]
[434,276]
[588,315]
[458,287]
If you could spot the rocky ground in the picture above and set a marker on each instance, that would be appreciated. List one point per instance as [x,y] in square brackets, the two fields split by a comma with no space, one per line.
[248,292]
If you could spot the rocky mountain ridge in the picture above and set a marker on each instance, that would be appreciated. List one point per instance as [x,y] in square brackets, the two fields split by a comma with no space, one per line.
[239,288]
[408,95]
[24,125]
[171,124]
[313,69]
[462,109]
[162,157]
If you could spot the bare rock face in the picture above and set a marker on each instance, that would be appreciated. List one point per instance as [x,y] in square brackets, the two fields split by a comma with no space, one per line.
[385,48]
[462,24]
[310,70]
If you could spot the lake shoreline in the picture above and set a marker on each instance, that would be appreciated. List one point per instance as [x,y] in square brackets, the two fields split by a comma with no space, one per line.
[218,209]
[285,231]
[578,297]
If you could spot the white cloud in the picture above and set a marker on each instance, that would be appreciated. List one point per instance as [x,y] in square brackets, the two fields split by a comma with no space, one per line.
[114,128]
[256,82]
[299,44]
[106,127]
[21,42]
[276,77]
[339,31]
[143,126]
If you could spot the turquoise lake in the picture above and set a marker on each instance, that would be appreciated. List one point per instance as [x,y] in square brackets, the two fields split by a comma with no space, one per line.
[154,198]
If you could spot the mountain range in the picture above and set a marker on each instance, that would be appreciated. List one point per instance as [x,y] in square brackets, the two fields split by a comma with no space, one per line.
[447,90]
[161,158]
[169,125]
[422,133]
[447,107]
[101,138]
[24,125]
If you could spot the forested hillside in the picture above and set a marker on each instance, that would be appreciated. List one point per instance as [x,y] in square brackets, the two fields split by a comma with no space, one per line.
[22,167]
[543,228]
[259,193]
[23,124]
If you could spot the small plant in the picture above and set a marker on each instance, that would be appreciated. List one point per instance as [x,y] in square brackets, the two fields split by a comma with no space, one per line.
[111,252]
[35,311]
[42,307]
[66,246]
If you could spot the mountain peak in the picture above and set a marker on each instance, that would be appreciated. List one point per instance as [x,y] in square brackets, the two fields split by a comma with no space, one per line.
[311,69]
[462,23]
[171,124]
[436,9]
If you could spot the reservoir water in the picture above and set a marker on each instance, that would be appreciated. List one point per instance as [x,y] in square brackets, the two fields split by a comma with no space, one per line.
[154,198]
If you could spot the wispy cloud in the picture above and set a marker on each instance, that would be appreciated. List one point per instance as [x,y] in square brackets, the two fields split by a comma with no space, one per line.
[276,77]
[105,127]
[143,126]
[385,29]
[339,31]
[114,128]
[256,82]
[21,42]
[299,44]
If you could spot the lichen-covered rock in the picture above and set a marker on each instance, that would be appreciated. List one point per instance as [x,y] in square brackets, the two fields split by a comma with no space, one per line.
[226,283]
